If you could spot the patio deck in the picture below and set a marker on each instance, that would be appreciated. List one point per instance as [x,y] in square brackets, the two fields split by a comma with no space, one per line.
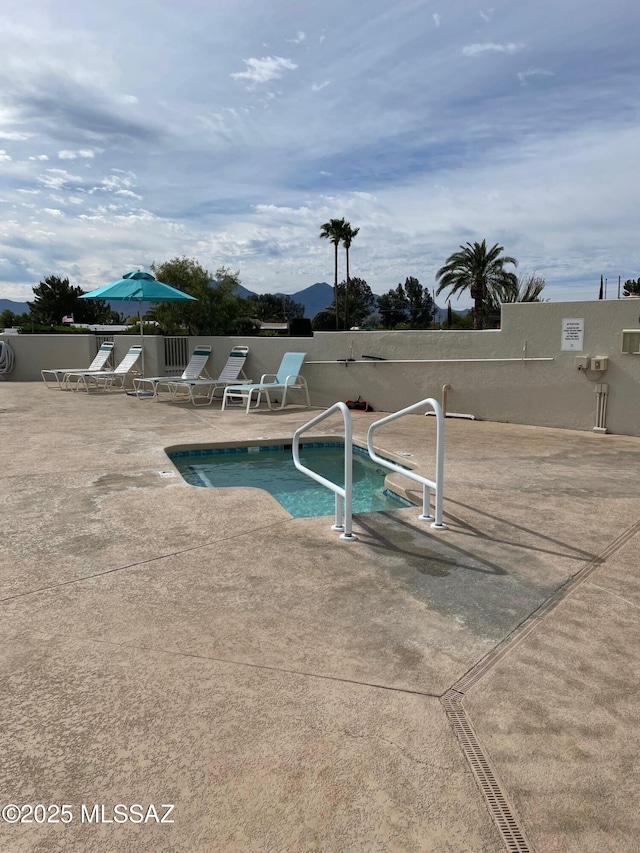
[286,691]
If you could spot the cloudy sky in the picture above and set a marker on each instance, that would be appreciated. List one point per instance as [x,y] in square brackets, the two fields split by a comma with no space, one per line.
[230,130]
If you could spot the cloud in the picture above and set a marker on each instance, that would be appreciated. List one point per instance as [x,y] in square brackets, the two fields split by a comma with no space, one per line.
[436,18]
[488,47]
[14,136]
[318,87]
[57,179]
[525,76]
[39,157]
[4,155]
[265,69]
[300,37]
[87,153]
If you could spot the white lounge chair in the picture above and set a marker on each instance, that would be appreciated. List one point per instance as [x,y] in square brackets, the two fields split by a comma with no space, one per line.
[106,378]
[287,378]
[196,369]
[231,372]
[99,363]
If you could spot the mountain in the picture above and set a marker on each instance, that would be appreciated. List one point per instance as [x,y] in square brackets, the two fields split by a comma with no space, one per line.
[16,307]
[243,292]
[315,298]
[441,314]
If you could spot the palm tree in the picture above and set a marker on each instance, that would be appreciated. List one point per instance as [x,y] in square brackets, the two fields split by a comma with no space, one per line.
[333,231]
[480,271]
[528,289]
[348,235]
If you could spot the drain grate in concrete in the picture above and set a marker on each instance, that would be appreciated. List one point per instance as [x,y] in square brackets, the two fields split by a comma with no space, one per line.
[499,807]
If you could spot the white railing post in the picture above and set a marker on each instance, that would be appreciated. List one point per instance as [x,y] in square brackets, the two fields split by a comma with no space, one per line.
[342,522]
[427,484]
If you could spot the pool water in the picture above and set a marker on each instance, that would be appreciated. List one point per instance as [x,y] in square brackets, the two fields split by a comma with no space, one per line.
[272,469]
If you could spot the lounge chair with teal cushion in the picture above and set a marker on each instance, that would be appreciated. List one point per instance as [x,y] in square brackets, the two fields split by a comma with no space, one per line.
[196,369]
[287,379]
[193,388]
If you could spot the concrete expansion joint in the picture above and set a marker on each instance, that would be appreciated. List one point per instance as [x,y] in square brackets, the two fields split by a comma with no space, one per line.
[139,563]
[614,595]
[500,808]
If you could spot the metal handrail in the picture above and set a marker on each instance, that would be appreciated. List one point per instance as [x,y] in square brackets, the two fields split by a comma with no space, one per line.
[342,494]
[427,484]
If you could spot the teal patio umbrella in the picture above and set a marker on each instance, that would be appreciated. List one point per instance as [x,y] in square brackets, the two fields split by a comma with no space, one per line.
[143,287]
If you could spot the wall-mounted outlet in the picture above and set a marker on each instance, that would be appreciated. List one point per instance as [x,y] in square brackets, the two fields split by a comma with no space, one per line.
[582,362]
[600,362]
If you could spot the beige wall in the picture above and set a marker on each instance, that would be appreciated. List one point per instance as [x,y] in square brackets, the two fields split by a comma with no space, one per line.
[33,353]
[517,374]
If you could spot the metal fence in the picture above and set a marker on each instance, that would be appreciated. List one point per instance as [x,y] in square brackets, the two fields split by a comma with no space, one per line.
[176,355]
[105,339]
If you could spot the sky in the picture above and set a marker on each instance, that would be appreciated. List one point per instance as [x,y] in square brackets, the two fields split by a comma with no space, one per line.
[229,131]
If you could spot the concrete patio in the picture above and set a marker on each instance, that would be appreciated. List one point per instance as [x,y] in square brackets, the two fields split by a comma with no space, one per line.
[287,691]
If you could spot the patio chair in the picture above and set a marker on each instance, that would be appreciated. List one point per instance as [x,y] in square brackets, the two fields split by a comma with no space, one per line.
[195,369]
[231,373]
[99,362]
[106,378]
[286,379]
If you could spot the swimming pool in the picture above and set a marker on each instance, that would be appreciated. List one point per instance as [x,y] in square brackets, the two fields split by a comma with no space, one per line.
[271,468]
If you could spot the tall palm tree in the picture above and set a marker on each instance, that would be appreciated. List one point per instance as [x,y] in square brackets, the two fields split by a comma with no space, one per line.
[333,231]
[348,235]
[480,271]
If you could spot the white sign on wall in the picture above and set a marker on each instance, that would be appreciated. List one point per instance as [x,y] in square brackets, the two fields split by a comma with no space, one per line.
[572,334]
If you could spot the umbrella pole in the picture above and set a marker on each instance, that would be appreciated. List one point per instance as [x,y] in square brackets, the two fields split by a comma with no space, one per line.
[141,332]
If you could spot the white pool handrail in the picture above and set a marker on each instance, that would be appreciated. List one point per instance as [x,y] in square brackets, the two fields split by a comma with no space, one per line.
[427,484]
[342,524]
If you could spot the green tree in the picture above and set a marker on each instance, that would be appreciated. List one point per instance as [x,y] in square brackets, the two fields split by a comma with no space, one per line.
[407,306]
[333,230]
[631,288]
[275,308]
[361,302]
[348,236]
[9,318]
[480,271]
[324,321]
[392,307]
[420,305]
[218,311]
[55,298]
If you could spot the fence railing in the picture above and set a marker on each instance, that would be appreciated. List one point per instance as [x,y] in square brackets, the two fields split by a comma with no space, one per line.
[105,339]
[176,355]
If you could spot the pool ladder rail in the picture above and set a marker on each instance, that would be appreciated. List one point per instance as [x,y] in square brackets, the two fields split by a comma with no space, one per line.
[344,495]
[342,519]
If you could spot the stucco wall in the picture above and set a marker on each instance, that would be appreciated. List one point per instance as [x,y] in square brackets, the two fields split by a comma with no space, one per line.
[517,374]
[33,353]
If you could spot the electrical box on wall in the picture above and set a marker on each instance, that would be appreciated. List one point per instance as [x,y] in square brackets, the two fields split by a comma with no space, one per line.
[600,362]
[631,341]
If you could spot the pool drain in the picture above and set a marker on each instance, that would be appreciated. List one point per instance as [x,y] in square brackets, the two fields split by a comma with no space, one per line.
[501,810]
